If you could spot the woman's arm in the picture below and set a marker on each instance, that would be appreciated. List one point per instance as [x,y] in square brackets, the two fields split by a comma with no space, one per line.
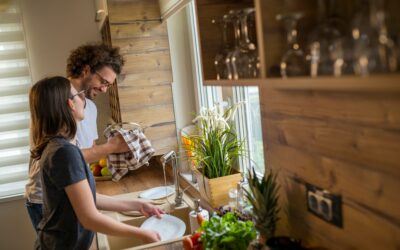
[104,202]
[85,209]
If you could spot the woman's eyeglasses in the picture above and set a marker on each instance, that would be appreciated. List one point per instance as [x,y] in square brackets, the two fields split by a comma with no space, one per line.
[80,94]
[103,81]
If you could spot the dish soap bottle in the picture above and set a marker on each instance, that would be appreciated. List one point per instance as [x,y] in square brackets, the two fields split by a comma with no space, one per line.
[194,225]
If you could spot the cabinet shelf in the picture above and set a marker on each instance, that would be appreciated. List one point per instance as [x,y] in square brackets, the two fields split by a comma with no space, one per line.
[270,42]
[241,82]
[377,83]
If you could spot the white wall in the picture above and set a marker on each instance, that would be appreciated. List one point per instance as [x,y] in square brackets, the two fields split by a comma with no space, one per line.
[53,28]
[183,80]
[182,86]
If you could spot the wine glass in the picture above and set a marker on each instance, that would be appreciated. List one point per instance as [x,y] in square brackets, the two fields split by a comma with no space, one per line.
[374,50]
[232,58]
[223,72]
[325,45]
[244,58]
[293,62]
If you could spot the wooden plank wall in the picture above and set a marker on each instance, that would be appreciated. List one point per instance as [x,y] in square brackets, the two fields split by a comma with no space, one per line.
[145,91]
[347,143]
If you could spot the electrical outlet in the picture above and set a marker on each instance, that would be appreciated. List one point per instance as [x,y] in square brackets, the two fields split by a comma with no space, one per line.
[324,204]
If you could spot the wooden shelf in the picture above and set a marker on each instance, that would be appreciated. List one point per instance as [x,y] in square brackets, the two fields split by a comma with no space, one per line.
[378,83]
[243,82]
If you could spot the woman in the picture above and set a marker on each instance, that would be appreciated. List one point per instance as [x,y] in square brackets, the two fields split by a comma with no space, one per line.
[70,212]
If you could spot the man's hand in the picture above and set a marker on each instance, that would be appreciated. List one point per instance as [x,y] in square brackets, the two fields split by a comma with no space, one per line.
[148,209]
[118,144]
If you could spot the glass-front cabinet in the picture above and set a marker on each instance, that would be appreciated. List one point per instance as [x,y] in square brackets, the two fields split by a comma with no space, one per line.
[309,44]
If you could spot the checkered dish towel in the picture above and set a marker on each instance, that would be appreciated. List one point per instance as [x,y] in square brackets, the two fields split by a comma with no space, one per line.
[140,152]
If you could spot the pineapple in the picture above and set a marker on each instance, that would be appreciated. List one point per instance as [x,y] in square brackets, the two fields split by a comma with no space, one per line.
[263,196]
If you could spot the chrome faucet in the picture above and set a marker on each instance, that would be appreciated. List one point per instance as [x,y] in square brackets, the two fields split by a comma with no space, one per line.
[171,155]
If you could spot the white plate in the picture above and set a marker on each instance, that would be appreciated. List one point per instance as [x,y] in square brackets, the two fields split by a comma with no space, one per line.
[157,192]
[169,227]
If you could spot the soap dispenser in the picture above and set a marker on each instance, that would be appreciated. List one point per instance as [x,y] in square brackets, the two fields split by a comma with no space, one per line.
[194,225]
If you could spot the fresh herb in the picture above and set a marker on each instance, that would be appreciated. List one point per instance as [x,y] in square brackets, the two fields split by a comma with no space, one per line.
[222,210]
[226,232]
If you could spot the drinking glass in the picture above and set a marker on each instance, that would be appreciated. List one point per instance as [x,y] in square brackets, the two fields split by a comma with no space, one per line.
[223,72]
[244,58]
[232,57]
[293,62]
[325,43]
[374,50]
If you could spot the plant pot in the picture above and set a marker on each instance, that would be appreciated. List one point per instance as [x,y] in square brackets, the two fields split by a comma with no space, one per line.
[215,191]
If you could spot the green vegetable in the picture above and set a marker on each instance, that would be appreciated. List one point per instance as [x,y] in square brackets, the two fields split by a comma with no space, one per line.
[227,232]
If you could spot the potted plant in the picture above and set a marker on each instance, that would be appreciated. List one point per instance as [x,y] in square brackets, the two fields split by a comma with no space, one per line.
[263,196]
[214,150]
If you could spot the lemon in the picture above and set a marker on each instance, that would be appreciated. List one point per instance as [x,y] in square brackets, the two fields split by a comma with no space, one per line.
[103,162]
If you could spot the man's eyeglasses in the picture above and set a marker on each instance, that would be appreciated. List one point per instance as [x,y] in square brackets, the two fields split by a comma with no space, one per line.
[103,81]
[80,94]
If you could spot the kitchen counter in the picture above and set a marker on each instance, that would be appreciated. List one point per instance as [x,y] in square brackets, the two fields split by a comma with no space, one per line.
[137,180]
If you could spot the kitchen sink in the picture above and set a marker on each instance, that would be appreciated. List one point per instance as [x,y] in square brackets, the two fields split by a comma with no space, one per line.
[108,242]
[117,243]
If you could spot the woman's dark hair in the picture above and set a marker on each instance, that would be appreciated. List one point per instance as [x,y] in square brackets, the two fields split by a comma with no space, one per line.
[96,56]
[50,114]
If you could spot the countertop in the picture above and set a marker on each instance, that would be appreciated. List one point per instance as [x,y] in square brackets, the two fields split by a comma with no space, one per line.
[137,180]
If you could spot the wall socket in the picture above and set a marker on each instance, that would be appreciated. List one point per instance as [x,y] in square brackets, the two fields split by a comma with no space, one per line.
[325,205]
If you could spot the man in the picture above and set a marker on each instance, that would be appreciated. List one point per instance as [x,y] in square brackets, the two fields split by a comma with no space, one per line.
[92,68]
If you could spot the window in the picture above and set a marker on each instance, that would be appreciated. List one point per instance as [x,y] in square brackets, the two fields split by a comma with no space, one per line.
[248,119]
[15,82]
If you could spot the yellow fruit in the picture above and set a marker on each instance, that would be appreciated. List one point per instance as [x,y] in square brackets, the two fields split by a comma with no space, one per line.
[103,162]
[105,172]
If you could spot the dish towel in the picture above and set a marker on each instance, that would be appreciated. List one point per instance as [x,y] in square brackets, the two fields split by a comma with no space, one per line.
[140,152]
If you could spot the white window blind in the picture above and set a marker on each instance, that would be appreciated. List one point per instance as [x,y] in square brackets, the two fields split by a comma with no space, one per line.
[15,82]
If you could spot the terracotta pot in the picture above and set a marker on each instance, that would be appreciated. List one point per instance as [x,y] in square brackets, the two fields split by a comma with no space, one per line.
[215,191]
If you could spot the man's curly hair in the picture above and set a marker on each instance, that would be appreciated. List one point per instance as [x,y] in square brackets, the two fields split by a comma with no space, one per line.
[96,56]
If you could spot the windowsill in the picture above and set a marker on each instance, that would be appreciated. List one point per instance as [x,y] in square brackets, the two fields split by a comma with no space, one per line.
[12,198]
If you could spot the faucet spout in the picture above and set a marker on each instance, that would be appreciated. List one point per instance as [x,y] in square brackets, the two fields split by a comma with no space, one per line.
[172,156]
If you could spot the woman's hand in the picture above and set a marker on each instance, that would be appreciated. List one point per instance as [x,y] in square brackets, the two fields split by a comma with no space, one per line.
[148,209]
[149,236]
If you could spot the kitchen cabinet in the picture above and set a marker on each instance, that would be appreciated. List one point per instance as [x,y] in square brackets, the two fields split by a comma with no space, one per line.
[143,91]
[339,133]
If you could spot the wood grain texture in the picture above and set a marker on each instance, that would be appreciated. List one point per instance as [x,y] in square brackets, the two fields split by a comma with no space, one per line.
[139,29]
[142,45]
[149,115]
[345,142]
[144,86]
[134,181]
[121,11]
[141,97]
